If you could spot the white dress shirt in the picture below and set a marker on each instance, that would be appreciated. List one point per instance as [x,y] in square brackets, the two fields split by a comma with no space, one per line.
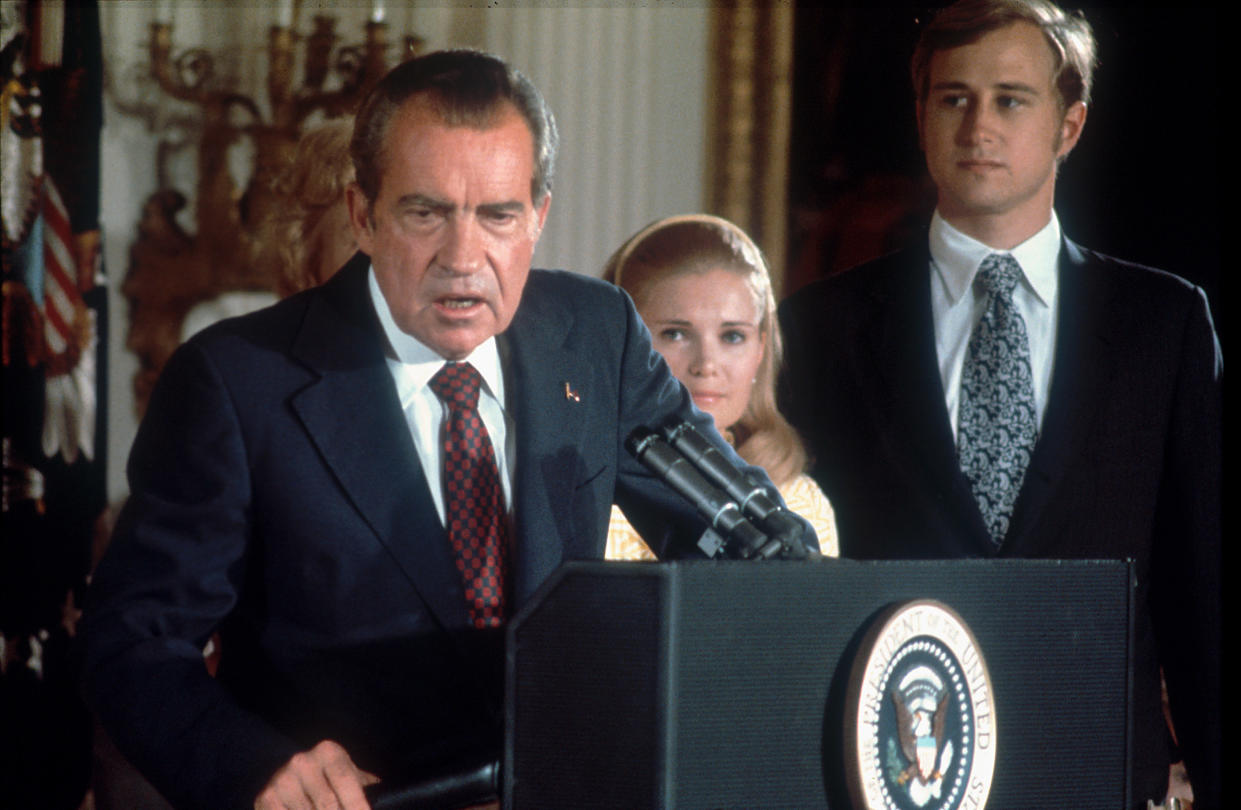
[412,368]
[956,306]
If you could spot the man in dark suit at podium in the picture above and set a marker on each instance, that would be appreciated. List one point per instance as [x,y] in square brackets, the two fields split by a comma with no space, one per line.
[999,391]
[358,486]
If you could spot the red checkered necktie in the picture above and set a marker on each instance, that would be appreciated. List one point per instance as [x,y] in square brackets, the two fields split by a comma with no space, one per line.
[473,497]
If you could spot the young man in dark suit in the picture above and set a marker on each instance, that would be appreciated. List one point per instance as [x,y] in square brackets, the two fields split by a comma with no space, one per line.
[999,391]
[358,486]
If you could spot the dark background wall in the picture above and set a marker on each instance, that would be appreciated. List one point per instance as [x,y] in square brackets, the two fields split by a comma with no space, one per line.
[1144,183]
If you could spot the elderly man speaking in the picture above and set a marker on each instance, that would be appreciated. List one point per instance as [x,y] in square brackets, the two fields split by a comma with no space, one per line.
[357,487]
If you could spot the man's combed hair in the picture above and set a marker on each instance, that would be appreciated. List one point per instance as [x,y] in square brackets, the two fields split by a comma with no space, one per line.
[1069,36]
[463,88]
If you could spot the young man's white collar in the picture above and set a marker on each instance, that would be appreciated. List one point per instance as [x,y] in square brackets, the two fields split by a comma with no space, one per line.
[957,256]
[956,307]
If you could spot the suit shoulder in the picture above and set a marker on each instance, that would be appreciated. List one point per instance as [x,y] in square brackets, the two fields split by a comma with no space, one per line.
[1139,283]
[251,345]
[279,317]
[859,286]
[1134,272]
[344,298]
[549,291]
[573,285]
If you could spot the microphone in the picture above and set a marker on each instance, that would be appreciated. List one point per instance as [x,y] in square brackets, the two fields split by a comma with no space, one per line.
[722,514]
[754,499]
[475,781]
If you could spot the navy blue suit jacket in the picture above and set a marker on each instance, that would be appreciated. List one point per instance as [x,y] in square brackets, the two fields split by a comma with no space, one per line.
[276,496]
[1127,463]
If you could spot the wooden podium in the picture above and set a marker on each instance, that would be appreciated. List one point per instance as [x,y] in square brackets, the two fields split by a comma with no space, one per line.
[725,684]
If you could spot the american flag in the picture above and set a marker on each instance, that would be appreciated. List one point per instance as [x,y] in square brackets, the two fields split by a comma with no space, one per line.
[70,395]
[61,299]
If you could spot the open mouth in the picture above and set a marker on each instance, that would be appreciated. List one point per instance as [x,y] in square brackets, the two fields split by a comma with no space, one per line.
[459,303]
[459,306]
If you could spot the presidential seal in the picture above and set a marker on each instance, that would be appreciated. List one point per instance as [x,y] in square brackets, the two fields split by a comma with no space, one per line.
[920,730]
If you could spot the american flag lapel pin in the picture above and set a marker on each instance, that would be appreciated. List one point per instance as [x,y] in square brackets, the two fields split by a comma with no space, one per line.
[570,394]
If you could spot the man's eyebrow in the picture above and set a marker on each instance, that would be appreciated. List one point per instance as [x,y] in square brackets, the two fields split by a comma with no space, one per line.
[506,207]
[1018,87]
[423,201]
[1010,87]
[443,206]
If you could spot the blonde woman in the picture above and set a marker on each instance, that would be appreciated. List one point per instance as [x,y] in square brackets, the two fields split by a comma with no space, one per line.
[307,237]
[702,287]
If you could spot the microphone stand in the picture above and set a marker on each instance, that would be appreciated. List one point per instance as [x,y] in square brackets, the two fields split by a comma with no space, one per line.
[732,533]
[475,782]
[754,499]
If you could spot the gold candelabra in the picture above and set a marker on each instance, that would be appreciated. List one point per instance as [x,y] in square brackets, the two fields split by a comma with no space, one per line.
[170,270]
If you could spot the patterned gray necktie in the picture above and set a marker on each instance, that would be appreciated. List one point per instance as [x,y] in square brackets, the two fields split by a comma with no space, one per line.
[998,425]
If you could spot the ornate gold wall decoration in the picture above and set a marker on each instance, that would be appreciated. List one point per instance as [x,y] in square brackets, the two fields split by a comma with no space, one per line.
[749,123]
[172,270]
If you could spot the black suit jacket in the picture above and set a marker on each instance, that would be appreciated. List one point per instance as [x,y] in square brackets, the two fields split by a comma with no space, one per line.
[276,496]
[1127,463]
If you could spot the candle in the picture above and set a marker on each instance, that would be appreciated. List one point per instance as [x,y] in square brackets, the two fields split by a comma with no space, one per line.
[284,14]
[377,11]
[163,11]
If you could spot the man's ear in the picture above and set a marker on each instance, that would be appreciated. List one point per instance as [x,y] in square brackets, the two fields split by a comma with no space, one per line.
[360,219]
[542,210]
[1071,128]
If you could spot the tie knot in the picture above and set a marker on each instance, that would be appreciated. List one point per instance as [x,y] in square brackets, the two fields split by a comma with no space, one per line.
[999,274]
[457,385]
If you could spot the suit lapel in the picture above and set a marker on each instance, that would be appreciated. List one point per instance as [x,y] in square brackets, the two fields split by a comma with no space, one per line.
[1083,355]
[539,363]
[903,346]
[354,417]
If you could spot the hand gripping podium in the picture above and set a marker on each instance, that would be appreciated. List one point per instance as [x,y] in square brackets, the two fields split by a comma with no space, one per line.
[728,684]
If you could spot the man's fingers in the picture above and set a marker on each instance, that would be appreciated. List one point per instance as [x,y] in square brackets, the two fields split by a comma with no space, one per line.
[345,779]
[323,778]
[299,785]
[287,789]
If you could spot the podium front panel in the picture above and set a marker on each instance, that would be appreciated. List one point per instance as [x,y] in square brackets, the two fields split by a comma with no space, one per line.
[723,684]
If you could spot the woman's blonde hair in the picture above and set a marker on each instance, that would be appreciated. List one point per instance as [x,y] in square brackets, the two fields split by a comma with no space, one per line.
[313,183]
[700,243]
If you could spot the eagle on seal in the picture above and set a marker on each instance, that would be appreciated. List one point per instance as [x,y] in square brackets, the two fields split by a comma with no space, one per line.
[920,728]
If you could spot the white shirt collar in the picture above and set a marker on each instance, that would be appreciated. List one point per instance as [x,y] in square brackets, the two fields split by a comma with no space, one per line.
[956,258]
[416,363]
